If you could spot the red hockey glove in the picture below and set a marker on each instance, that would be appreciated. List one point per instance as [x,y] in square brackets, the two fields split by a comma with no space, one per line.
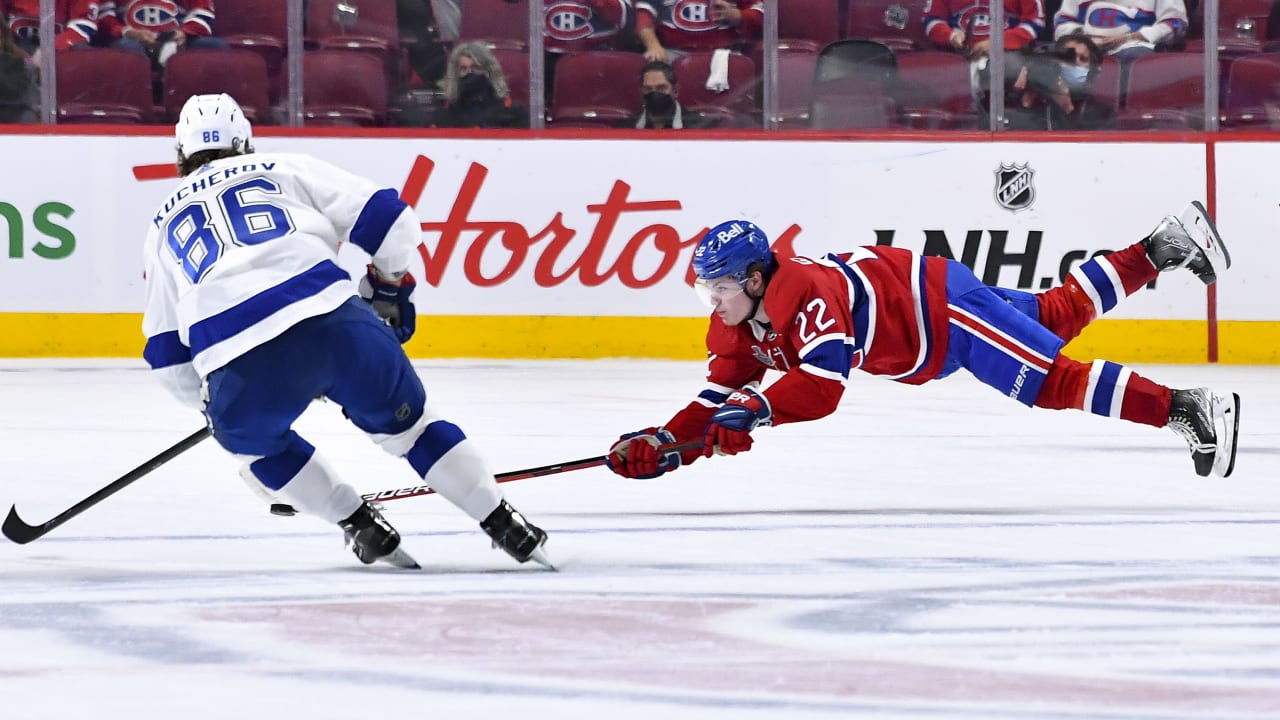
[636,454]
[729,432]
[390,298]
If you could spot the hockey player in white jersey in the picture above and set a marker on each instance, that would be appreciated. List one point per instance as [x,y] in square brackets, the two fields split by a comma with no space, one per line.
[249,318]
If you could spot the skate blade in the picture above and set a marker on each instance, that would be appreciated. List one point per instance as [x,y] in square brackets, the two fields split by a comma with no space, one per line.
[400,559]
[540,556]
[1196,221]
[1226,410]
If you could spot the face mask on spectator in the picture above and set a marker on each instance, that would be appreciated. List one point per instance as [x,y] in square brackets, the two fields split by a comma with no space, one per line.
[473,85]
[659,104]
[1075,76]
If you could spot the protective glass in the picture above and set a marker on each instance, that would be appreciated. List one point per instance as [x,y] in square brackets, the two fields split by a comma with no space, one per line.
[713,292]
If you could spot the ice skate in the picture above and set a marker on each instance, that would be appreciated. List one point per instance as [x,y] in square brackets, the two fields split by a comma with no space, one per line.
[520,538]
[372,538]
[1209,422]
[1190,240]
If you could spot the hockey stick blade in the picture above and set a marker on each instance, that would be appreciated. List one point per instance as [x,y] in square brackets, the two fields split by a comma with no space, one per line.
[17,530]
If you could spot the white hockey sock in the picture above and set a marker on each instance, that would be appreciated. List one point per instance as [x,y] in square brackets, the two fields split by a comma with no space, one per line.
[315,490]
[461,477]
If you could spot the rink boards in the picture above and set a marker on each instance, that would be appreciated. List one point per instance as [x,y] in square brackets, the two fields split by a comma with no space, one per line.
[536,246]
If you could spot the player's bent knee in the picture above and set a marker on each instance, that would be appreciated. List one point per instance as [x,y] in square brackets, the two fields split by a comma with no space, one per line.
[275,471]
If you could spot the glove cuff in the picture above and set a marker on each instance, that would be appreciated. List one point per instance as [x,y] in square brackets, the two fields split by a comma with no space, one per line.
[756,402]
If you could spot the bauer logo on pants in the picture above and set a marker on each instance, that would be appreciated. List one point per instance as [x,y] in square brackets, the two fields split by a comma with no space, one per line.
[1014,190]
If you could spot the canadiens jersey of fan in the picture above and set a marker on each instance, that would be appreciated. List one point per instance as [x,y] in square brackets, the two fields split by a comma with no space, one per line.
[829,316]
[247,246]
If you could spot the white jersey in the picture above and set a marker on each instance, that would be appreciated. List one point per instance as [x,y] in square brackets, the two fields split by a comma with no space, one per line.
[247,246]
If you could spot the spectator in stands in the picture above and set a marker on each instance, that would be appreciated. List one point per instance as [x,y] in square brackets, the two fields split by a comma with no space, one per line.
[76,24]
[660,109]
[964,26]
[427,54]
[476,92]
[158,28]
[1053,91]
[1124,29]
[17,87]
[667,30]
[577,25]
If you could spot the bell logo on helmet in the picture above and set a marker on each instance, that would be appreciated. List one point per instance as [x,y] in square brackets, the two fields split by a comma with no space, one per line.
[730,234]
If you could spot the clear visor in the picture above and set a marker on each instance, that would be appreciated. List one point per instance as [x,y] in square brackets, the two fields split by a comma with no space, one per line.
[714,292]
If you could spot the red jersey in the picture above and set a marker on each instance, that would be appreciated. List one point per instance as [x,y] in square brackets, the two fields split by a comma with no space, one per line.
[690,24]
[1024,19]
[882,310]
[75,21]
[575,25]
[193,17]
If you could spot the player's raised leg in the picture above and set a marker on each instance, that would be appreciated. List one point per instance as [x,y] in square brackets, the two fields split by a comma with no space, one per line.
[1097,285]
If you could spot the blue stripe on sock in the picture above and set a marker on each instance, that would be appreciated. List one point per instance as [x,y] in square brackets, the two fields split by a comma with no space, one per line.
[1105,389]
[1101,282]
[437,439]
[277,470]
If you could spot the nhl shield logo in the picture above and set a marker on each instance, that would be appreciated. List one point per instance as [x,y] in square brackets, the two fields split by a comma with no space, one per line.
[1014,190]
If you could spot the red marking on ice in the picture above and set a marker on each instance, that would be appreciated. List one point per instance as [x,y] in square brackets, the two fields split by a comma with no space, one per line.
[659,644]
[1205,593]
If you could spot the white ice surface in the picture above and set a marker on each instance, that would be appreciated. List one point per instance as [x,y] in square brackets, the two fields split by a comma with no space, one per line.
[932,552]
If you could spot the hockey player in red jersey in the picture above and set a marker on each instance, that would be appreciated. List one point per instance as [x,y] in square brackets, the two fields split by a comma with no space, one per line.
[911,318]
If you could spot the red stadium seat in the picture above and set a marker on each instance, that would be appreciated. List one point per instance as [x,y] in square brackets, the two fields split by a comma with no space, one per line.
[795,80]
[1242,27]
[1166,91]
[1252,96]
[104,85]
[343,89]
[500,23]
[807,25]
[692,70]
[598,86]
[372,28]
[896,23]
[936,92]
[242,74]
[258,25]
[515,68]
[1106,86]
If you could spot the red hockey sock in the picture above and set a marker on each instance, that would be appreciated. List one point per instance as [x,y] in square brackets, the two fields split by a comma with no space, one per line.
[1104,388]
[1093,288]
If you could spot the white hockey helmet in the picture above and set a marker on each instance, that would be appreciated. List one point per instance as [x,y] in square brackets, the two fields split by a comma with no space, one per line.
[212,122]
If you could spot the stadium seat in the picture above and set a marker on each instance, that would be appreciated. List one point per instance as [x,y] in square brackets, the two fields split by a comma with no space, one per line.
[369,26]
[869,60]
[499,23]
[1242,27]
[104,85]
[936,92]
[242,74]
[795,80]
[807,25]
[1252,97]
[1166,91]
[343,89]
[896,23]
[515,67]
[598,86]
[1106,86]
[261,26]
[858,106]
[738,101]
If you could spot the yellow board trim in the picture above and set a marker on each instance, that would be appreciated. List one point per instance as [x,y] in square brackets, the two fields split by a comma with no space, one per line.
[118,335]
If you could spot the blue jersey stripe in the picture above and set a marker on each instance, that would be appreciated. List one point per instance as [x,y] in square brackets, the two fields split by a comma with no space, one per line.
[858,302]
[237,318]
[375,220]
[1104,390]
[165,350]
[437,439]
[276,471]
[834,355]
[712,396]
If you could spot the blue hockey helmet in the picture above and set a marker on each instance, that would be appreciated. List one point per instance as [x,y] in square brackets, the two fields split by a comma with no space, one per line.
[729,249]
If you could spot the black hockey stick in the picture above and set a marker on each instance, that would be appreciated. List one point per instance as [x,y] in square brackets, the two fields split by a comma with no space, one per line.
[420,490]
[20,532]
